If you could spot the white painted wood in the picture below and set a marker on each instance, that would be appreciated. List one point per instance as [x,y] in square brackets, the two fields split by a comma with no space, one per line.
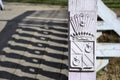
[107,53]
[84,5]
[104,27]
[85,57]
[98,34]
[110,22]
[108,46]
[109,18]
[82,37]
[1,5]
[82,76]
[80,23]
[82,34]
[108,50]
[101,63]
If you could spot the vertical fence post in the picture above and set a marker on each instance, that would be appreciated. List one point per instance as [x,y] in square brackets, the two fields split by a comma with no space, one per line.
[82,30]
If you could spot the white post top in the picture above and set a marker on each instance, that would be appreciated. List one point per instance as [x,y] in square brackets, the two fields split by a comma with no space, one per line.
[82,5]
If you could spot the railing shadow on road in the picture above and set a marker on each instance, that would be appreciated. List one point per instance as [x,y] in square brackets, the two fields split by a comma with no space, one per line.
[25,50]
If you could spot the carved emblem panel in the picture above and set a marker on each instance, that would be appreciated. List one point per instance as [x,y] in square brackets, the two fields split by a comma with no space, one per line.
[82,41]
[81,25]
[82,56]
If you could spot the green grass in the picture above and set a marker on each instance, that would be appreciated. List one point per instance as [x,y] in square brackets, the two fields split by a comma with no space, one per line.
[53,2]
[110,3]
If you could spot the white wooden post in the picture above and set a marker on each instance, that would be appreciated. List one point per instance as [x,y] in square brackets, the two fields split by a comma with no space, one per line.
[82,32]
[1,5]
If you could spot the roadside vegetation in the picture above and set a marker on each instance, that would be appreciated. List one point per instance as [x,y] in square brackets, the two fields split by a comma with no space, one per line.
[53,2]
[110,3]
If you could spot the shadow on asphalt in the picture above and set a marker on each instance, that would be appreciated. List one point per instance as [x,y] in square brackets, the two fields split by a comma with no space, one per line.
[16,45]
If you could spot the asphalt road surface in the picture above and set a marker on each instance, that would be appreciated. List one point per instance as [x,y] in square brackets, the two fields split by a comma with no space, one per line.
[33,42]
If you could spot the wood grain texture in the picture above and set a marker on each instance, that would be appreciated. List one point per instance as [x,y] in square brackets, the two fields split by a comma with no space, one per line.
[82,76]
[84,5]
[82,39]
